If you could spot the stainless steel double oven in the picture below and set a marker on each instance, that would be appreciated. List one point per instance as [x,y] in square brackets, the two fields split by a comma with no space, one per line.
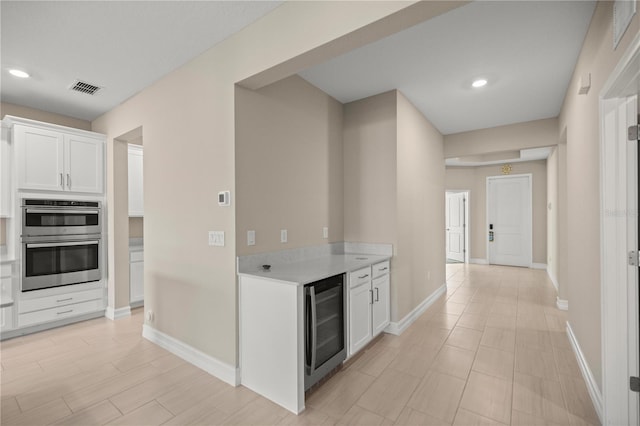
[61,243]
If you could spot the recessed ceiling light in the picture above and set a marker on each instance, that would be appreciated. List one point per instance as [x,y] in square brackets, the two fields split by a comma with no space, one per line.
[18,73]
[479,83]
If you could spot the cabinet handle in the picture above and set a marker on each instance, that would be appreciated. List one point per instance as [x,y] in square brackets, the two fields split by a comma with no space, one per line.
[62,180]
[371,293]
[364,276]
[64,300]
[68,181]
[377,295]
[65,312]
[383,269]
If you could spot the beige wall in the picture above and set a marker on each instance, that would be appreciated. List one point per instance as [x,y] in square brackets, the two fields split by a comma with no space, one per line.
[580,117]
[136,227]
[370,169]
[3,231]
[531,134]
[47,117]
[474,179]
[188,123]
[288,166]
[394,192]
[552,216]
[420,251]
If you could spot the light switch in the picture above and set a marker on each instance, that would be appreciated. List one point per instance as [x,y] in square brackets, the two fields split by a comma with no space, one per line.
[251,238]
[283,235]
[216,238]
[325,232]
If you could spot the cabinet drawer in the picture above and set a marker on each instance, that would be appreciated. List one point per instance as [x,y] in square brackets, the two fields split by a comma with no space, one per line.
[61,312]
[6,295]
[359,277]
[5,270]
[30,305]
[381,268]
[136,256]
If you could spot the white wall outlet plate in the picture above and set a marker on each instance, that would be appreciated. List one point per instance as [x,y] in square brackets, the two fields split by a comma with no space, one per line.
[216,238]
[224,198]
[251,238]
[283,235]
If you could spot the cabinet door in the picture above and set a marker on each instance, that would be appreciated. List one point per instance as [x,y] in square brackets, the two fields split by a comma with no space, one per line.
[136,281]
[136,199]
[359,317]
[381,306]
[6,190]
[83,164]
[40,158]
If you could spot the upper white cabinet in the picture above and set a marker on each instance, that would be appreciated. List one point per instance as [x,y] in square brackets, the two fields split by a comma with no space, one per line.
[5,174]
[136,199]
[56,159]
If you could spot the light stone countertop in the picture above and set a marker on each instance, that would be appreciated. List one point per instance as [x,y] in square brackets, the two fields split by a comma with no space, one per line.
[307,271]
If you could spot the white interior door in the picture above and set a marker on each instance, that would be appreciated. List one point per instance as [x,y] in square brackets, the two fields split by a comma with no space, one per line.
[509,220]
[455,223]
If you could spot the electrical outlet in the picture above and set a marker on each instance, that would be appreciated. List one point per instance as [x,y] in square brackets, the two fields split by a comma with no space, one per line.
[150,316]
[216,238]
[325,232]
[283,235]
[251,238]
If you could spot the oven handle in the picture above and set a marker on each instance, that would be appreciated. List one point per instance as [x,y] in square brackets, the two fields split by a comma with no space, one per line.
[61,244]
[61,210]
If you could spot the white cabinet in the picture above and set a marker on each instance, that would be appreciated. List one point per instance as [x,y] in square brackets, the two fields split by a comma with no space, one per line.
[369,307]
[6,190]
[38,310]
[136,199]
[136,276]
[6,296]
[48,159]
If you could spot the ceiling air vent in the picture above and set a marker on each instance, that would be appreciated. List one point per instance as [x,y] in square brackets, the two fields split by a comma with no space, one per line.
[84,87]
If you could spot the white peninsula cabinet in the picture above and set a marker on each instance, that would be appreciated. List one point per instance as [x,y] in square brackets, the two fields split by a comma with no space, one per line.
[369,307]
[57,158]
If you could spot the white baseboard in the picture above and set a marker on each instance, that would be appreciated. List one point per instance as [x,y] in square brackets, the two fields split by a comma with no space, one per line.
[225,372]
[592,386]
[399,327]
[542,266]
[479,261]
[562,304]
[114,314]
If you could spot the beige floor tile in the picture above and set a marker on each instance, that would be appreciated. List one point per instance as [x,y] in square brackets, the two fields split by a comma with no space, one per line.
[309,416]
[411,417]
[99,414]
[534,339]
[501,321]
[499,338]
[454,361]
[519,418]
[189,393]
[566,362]
[23,372]
[502,308]
[474,321]
[389,393]
[258,411]
[375,359]
[494,362]
[360,416]
[50,412]
[451,307]
[339,393]
[151,413]
[478,308]
[467,418]
[559,339]
[202,413]
[438,396]
[8,408]
[536,363]
[578,401]
[442,320]
[426,335]
[556,322]
[414,360]
[539,398]
[488,396]
[464,338]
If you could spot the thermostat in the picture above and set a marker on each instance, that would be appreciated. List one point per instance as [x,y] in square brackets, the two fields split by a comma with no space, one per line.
[224,198]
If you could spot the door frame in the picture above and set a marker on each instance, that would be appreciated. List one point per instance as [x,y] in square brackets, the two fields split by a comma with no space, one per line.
[467,207]
[619,285]
[529,216]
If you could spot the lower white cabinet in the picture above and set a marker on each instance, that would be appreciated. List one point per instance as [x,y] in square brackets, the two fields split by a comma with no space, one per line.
[6,296]
[369,307]
[38,310]
[136,276]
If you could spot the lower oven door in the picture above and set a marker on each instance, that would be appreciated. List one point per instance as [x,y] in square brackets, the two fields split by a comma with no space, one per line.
[50,263]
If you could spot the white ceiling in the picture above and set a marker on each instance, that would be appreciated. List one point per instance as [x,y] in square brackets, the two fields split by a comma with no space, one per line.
[122,46]
[527,50]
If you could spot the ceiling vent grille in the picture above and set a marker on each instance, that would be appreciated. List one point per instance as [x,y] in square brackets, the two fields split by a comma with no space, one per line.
[84,87]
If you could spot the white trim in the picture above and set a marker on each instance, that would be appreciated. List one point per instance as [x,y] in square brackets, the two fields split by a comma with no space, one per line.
[592,385]
[479,261]
[399,327]
[114,314]
[562,304]
[553,279]
[467,221]
[542,266]
[225,372]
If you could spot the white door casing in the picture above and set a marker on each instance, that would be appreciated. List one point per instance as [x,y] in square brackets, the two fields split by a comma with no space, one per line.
[509,213]
[455,226]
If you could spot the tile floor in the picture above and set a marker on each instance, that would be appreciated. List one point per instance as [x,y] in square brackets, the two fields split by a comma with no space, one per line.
[492,351]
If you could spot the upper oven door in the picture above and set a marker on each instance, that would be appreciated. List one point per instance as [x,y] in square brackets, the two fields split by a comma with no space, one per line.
[42,221]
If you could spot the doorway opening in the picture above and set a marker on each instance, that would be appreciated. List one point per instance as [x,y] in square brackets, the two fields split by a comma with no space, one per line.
[457,226]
